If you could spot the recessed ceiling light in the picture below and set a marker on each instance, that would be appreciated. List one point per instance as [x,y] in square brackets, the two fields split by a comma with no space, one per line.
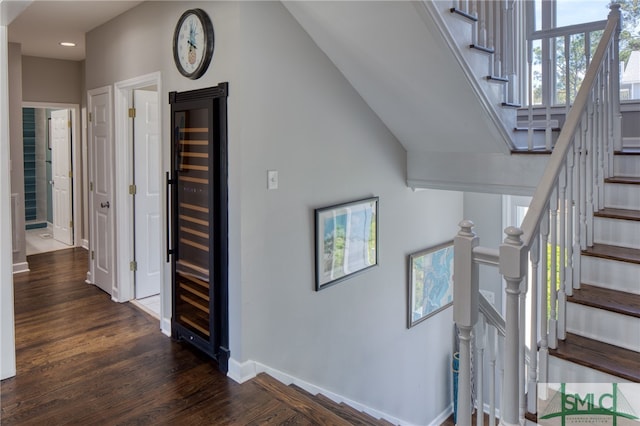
[67,44]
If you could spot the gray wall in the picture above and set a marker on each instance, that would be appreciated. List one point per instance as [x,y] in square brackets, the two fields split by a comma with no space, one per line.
[291,110]
[51,80]
[485,211]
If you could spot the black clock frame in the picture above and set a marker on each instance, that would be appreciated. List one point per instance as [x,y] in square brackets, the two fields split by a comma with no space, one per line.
[209,43]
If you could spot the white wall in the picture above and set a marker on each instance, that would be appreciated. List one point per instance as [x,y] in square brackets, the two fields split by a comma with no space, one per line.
[7,337]
[291,110]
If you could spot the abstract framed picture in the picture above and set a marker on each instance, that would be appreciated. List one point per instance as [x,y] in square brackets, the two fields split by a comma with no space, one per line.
[346,240]
[430,282]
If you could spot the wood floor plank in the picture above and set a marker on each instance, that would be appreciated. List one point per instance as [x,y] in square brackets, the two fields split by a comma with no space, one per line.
[600,356]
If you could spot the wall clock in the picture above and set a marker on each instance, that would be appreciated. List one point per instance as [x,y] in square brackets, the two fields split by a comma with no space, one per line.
[193,43]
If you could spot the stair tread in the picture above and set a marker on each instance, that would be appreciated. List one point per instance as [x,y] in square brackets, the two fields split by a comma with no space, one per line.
[628,151]
[464,14]
[605,251]
[607,299]
[483,49]
[631,180]
[624,214]
[299,401]
[599,356]
[343,410]
[535,129]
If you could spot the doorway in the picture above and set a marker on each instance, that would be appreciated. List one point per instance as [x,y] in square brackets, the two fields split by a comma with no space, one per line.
[139,190]
[50,191]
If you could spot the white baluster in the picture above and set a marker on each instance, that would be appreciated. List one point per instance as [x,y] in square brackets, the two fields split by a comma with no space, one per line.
[590,168]
[481,338]
[575,221]
[482,24]
[513,266]
[562,256]
[601,142]
[567,80]
[491,345]
[583,176]
[615,81]
[543,352]
[568,283]
[522,373]
[553,269]
[530,96]
[534,256]
[465,312]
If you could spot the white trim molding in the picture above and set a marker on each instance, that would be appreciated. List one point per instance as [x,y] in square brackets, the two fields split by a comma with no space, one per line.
[20,267]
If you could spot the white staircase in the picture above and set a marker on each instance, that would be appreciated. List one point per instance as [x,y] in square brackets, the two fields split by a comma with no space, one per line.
[603,315]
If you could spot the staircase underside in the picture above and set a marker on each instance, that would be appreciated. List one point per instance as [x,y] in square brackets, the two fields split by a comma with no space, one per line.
[393,56]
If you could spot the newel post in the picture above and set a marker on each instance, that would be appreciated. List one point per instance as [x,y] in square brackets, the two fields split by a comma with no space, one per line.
[465,312]
[513,267]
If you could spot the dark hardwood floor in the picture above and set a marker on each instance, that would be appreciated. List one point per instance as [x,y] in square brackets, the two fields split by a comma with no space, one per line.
[83,359]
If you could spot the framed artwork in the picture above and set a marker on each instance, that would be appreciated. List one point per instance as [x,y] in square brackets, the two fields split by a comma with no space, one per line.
[346,240]
[430,282]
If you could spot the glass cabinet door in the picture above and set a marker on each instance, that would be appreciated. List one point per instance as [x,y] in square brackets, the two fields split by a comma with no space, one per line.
[193,213]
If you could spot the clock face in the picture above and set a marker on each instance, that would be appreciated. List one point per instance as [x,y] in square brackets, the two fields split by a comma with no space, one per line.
[193,43]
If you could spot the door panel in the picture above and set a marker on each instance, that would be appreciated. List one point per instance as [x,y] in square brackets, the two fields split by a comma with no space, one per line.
[147,177]
[102,210]
[61,155]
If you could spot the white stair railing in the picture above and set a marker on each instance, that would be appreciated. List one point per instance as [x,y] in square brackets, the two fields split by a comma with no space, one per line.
[499,28]
[557,225]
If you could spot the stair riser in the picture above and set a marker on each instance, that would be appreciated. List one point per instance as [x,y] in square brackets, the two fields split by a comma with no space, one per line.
[622,196]
[617,232]
[563,371]
[622,276]
[626,165]
[605,326]
[631,142]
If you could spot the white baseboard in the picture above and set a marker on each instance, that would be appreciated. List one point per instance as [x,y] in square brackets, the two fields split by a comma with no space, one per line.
[21,267]
[165,326]
[442,417]
[84,244]
[241,372]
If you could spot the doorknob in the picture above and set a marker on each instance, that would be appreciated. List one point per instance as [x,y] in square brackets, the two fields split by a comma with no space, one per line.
[103,205]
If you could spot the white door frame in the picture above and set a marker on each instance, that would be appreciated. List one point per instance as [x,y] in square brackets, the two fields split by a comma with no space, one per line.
[124,177]
[76,154]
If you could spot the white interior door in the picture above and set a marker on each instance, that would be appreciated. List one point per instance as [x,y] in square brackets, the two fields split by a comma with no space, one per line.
[147,201]
[101,151]
[61,174]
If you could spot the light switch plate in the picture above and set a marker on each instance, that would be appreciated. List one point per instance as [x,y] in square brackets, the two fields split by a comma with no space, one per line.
[272,179]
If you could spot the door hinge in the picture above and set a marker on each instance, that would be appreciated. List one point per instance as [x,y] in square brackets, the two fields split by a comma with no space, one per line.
[69,123]
[90,186]
[133,190]
[71,224]
[70,173]
[93,255]
[133,266]
[90,117]
[132,113]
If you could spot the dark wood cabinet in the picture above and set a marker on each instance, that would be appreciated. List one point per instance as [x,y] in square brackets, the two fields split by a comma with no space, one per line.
[197,203]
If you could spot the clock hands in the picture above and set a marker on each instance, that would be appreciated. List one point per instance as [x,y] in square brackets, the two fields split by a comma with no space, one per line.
[192,43]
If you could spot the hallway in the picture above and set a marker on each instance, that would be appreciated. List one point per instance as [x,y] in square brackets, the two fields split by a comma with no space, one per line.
[83,359]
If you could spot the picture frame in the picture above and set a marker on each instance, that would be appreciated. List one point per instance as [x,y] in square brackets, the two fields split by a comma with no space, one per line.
[346,240]
[430,281]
